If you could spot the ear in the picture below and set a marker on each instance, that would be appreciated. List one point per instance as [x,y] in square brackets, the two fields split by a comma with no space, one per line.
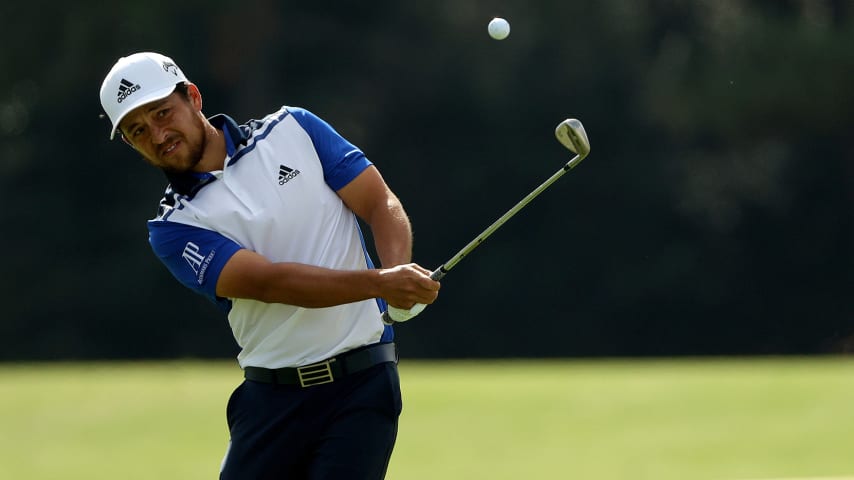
[195,96]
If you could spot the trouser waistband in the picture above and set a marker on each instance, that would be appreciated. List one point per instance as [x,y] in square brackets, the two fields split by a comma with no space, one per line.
[328,370]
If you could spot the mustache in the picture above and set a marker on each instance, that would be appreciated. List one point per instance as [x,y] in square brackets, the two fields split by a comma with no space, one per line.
[166,143]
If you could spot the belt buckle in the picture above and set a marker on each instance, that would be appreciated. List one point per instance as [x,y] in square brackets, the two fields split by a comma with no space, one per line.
[316,373]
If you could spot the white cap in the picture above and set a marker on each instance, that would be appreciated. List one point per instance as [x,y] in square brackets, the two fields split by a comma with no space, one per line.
[136,80]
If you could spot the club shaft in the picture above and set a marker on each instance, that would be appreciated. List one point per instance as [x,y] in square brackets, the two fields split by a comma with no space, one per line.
[447,266]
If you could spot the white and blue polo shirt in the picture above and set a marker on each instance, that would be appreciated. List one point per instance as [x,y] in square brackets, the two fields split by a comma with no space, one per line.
[275,196]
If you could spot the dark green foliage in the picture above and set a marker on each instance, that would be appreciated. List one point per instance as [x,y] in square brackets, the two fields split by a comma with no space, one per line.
[713,216]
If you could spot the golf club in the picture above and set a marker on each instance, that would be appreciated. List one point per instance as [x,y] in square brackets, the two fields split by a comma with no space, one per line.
[570,133]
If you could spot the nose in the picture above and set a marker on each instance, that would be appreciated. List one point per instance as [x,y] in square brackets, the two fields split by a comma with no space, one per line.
[158,134]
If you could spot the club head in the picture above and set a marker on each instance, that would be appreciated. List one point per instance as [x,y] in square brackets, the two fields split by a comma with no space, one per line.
[571,134]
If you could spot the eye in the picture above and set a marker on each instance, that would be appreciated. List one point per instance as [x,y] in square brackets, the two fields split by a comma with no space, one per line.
[163,112]
[137,132]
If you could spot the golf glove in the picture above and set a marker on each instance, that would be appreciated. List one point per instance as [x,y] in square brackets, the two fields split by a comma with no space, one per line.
[403,314]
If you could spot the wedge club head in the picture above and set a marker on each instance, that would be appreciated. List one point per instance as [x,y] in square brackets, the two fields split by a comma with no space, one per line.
[571,134]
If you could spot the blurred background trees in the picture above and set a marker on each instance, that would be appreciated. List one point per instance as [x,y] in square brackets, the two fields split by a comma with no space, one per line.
[713,216]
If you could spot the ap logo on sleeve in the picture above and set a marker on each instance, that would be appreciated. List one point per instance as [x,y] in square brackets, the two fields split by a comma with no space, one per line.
[197,260]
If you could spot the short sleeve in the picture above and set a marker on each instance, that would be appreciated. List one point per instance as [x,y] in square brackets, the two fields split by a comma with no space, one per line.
[342,161]
[194,255]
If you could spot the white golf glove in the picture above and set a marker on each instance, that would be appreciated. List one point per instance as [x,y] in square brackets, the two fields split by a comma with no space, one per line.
[403,314]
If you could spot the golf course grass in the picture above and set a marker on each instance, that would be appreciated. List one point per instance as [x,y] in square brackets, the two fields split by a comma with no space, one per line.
[677,419]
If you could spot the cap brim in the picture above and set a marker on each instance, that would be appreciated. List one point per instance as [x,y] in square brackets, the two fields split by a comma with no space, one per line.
[138,102]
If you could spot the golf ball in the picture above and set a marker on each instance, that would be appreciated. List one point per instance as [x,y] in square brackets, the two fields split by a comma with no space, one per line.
[498,28]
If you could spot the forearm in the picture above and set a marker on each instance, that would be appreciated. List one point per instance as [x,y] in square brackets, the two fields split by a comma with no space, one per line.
[249,275]
[392,234]
[310,286]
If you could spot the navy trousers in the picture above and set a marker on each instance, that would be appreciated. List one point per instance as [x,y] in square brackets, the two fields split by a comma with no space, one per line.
[341,430]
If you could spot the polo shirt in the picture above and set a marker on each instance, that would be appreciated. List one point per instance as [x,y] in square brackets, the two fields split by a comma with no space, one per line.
[274,196]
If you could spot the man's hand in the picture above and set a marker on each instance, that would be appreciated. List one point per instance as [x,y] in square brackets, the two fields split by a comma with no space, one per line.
[405,286]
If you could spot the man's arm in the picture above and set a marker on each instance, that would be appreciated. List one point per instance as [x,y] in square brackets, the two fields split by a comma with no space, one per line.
[369,197]
[250,275]
[402,284]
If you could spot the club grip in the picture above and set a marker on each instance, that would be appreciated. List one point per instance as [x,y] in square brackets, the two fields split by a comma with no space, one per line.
[438,274]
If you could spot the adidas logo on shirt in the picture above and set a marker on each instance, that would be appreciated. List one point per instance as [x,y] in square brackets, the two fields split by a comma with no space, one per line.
[126,88]
[286,174]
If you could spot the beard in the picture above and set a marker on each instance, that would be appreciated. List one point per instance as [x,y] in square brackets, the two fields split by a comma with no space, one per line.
[190,160]
[195,152]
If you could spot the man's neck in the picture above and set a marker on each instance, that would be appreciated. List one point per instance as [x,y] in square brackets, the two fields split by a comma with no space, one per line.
[213,157]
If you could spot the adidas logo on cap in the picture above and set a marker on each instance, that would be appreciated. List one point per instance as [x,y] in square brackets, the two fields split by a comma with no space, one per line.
[126,88]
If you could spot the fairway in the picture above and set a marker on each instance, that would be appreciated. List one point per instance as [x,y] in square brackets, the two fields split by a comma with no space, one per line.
[606,419]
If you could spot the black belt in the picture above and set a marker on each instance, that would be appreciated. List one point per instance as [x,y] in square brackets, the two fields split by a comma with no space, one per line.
[326,371]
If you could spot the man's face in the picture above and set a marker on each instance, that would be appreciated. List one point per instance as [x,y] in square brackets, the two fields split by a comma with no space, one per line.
[169,133]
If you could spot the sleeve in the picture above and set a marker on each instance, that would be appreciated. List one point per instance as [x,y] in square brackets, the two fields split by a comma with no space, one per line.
[341,160]
[194,255]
